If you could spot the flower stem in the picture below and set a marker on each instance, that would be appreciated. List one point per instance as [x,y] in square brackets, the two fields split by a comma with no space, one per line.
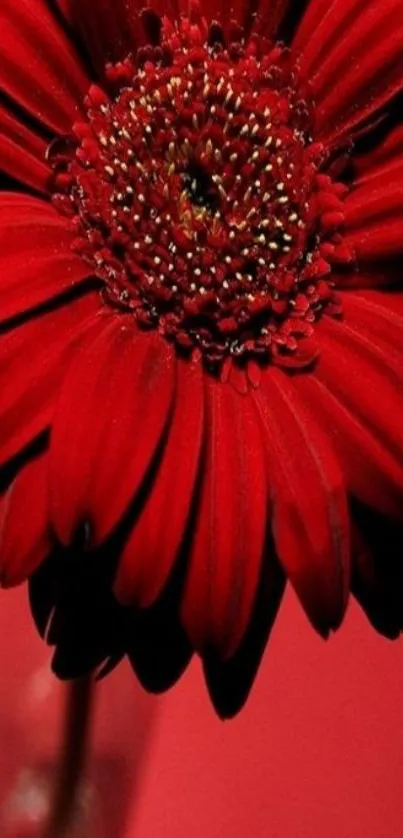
[75,740]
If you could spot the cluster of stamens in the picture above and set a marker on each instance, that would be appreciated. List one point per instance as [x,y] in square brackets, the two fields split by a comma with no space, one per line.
[195,195]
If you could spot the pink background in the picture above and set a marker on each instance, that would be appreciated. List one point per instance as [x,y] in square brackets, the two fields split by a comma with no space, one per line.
[317,751]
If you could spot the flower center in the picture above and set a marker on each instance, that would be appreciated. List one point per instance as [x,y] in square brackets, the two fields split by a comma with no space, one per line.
[196,198]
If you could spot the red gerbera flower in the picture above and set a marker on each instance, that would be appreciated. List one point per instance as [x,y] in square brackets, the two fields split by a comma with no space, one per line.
[201,324]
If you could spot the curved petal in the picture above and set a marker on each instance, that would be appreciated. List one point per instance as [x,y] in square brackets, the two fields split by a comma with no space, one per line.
[377,580]
[267,15]
[374,216]
[372,474]
[392,301]
[230,526]
[381,161]
[310,512]
[36,259]
[171,8]
[353,56]
[113,409]
[33,359]
[230,682]
[74,609]
[313,16]
[379,316]
[109,28]
[365,375]
[382,239]
[260,16]
[360,403]
[22,153]
[157,647]
[377,201]
[23,547]
[371,275]
[115,30]
[39,68]
[157,534]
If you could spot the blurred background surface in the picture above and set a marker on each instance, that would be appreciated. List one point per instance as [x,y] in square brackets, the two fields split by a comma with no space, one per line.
[318,750]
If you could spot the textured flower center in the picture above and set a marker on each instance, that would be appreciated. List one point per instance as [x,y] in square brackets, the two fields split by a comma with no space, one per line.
[196,198]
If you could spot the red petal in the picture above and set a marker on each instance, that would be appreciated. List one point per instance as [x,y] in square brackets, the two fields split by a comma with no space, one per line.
[36,259]
[172,8]
[157,646]
[381,240]
[115,31]
[353,54]
[314,16]
[376,275]
[379,316]
[374,215]
[113,409]
[310,512]
[366,374]
[375,201]
[382,161]
[24,545]
[22,153]
[229,682]
[357,397]
[391,301]
[267,15]
[154,543]
[109,28]
[38,66]
[230,527]
[378,572]
[372,473]
[33,358]
[238,379]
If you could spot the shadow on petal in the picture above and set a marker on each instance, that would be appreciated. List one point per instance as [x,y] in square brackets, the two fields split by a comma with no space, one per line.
[230,682]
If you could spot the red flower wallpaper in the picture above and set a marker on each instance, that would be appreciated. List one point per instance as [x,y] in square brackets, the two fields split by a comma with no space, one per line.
[201,356]
[202,333]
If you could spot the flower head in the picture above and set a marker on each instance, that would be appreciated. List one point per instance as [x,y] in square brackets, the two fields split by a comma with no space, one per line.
[201,325]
